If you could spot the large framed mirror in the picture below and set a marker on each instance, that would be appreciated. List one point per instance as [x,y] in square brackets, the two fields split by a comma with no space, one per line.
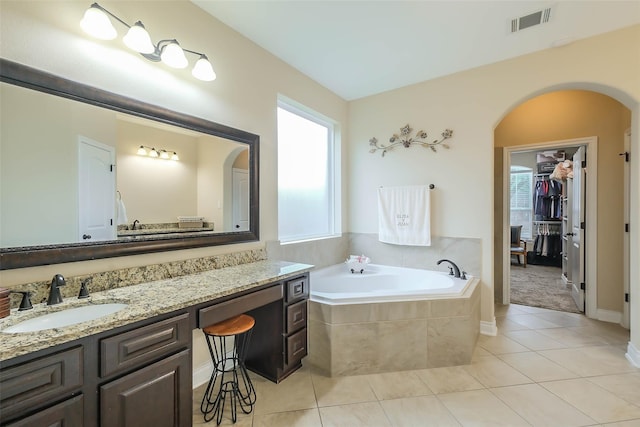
[78,180]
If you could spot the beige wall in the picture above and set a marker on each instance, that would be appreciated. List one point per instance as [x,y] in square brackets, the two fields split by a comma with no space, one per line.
[573,114]
[473,103]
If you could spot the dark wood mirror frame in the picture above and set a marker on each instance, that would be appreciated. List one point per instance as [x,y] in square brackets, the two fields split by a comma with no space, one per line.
[20,257]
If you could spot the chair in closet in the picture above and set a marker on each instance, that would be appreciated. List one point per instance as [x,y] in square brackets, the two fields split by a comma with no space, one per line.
[518,246]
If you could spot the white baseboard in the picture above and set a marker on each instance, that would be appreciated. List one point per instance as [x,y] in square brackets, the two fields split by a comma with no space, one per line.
[609,316]
[489,328]
[633,355]
[202,373]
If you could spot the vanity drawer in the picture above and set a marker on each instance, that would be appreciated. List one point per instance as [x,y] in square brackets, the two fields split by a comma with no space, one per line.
[35,384]
[143,345]
[227,309]
[296,316]
[296,345]
[298,288]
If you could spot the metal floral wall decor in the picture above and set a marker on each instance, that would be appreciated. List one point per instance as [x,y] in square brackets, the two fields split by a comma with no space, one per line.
[406,140]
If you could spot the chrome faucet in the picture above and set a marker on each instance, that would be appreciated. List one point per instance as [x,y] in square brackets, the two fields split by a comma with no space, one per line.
[54,292]
[133,227]
[456,270]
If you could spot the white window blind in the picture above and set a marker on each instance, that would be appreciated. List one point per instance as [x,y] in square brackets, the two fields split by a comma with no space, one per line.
[521,206]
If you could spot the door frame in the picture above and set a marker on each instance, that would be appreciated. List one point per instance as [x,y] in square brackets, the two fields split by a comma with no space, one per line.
[591,213]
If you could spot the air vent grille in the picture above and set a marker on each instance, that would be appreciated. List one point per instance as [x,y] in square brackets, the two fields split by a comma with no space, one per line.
[531,20]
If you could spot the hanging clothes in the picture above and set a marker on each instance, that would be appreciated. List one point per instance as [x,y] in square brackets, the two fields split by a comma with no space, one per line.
[547,195]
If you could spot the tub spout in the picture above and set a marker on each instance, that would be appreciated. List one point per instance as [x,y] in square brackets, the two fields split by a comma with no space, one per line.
[456,270]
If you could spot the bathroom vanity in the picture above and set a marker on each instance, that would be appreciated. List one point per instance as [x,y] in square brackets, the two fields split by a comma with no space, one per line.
[134,367]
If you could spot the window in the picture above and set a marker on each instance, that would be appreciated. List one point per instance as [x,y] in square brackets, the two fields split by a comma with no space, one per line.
[307,181]
[521,189]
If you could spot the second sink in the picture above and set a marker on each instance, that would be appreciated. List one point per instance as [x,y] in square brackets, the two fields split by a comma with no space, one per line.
[68,317]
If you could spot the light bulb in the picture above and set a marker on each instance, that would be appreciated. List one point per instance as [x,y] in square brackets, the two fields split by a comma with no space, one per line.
[138,39]
[141,151]
[96,23]
[203,70]
[174,156]
[173,55]
[153,153]
[164,155]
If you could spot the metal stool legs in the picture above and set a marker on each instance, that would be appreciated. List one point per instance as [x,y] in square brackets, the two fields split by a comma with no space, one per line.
[229,379]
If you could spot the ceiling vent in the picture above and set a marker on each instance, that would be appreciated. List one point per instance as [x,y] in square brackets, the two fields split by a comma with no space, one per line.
[531,20]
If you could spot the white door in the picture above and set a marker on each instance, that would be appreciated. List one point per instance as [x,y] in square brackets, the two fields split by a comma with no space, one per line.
[577,229]
[626,261]
[240,200]
[96,191]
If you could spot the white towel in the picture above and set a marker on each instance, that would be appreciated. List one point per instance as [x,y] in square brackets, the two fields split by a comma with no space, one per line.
[122,211]
[404,215]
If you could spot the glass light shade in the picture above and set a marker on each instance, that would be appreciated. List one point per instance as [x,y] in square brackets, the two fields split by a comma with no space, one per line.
[153,153]
[96,23]
[141,151]
[203,70]
[137,38]
[173,55]
[174,156]
[164,155]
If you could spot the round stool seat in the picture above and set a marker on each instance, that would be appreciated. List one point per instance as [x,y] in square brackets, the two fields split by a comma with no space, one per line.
[228,342]
[233,326]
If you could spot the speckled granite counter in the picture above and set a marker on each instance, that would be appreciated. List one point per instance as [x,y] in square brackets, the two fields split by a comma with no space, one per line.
[145,300]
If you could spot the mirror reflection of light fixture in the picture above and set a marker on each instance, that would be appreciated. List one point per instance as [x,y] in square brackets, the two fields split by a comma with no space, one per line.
[96,22]
[157,154]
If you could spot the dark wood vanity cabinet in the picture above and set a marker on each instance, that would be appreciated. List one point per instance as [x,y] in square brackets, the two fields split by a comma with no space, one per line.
[141,374]
[156,390]
[279,339]
[31,388]
[131,376]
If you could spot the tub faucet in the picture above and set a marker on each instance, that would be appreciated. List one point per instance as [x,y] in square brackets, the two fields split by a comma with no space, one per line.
[456,270]
[133,227]
[54,292]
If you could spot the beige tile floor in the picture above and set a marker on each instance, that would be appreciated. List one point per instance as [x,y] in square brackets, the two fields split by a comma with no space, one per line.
[545,368]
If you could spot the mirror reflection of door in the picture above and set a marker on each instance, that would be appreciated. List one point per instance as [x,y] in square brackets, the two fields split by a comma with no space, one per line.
[240,199]
[96,191]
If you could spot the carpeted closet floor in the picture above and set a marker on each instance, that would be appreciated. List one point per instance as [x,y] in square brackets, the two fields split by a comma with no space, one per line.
[541,286]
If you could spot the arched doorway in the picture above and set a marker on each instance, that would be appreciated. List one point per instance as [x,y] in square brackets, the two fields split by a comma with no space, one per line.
[566,115]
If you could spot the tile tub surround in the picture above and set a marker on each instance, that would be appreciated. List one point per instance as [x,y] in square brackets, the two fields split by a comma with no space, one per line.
[136,275]
[394,336]
[146,300]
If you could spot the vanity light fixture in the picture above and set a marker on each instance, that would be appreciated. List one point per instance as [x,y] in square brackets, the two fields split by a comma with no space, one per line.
[97,23]
[157,154]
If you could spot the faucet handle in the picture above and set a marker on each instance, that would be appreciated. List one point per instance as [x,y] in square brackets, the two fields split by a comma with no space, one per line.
[25,302]
[464,275]
[84,290]
[450,271]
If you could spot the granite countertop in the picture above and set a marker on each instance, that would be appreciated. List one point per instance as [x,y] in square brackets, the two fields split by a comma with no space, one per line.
[144,301]
[148,231]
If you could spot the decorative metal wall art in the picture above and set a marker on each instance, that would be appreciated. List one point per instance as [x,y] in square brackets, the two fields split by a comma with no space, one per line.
[406,140]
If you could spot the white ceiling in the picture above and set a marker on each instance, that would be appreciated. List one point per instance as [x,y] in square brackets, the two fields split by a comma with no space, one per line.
[360,48]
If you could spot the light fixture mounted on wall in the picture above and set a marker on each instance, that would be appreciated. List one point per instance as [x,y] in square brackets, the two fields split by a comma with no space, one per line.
[96,22]
[157,154]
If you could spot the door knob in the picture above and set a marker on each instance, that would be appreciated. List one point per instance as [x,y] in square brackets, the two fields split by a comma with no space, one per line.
[86,236]
[570,234]
[237,225]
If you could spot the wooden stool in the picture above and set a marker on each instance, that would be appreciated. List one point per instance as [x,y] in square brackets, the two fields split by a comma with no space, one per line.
[230,376]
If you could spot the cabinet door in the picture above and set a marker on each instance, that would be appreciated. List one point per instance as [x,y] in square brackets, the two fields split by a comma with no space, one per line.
[68,413]
[158,395]
[37,383]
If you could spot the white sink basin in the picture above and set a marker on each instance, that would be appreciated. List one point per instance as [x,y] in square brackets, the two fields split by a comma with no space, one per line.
[68,317]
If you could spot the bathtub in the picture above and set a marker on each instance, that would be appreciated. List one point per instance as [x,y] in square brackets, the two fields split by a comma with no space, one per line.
[336,284]
[390,319]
